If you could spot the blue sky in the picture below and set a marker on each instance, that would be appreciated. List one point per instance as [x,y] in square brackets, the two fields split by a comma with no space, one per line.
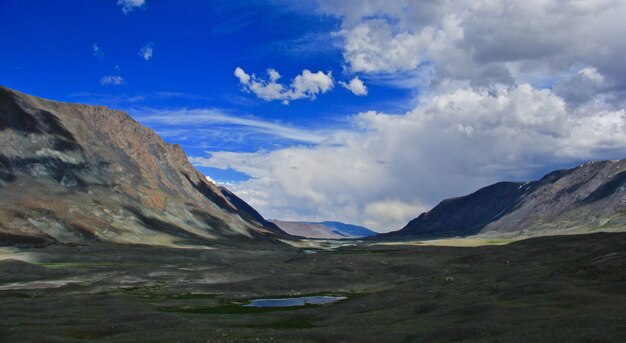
[48,50]
[442,101]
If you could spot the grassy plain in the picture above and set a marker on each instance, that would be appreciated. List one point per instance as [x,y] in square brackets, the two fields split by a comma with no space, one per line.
[566,288]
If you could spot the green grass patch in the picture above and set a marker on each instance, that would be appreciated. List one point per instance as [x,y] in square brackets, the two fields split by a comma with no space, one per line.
[16,294]
[67,265]
[285,324]
[232,309]
[85,334]
[361,251]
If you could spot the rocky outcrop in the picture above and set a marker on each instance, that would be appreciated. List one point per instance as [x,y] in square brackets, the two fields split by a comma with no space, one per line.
[73,173]
[582,199]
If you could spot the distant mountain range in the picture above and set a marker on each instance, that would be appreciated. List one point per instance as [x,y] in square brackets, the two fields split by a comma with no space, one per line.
[327,229]
[74,174]
[589,197]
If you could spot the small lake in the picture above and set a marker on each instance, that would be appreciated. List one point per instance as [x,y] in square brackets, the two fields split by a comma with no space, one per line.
[300,301]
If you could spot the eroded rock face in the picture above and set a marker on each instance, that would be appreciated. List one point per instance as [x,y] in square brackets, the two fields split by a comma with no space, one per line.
[73,173]
[582,199]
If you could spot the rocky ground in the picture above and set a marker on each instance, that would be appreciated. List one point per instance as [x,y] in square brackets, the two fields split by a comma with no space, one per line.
[569,288]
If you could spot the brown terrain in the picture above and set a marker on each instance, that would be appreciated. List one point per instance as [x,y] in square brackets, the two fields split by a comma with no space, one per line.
[74,173]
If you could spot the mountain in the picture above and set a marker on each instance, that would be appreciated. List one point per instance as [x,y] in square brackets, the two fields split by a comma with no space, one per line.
[72,173]
[348,230]
[589,197]
[327,229]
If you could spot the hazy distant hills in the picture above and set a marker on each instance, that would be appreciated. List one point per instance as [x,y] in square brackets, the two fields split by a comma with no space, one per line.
[327,229]
[582,199]
[73,173]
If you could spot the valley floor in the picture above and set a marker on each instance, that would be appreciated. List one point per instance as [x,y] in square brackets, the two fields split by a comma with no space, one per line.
[567,289]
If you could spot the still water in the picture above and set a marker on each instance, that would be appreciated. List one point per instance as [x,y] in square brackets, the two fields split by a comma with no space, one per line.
[288,302]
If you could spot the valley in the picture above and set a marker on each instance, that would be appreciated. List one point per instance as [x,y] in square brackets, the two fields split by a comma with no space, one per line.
[550,288]
[312,171]
[108,233]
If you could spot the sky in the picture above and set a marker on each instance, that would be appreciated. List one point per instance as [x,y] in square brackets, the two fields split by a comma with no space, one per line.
[362,111]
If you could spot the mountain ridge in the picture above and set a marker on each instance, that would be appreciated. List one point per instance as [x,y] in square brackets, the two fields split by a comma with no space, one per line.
[73,173]
[592,195]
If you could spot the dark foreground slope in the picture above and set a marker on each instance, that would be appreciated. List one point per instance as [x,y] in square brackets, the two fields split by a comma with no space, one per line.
[589,197]
[327,229]
[547,289]
[73,173]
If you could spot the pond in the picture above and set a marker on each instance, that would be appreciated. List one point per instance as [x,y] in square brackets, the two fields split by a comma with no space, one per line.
[300,301]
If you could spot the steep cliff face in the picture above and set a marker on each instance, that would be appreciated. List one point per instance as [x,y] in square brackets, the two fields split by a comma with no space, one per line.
[73,173]
[582,199]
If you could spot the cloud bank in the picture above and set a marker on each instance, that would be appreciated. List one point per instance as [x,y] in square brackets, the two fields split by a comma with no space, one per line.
[396,166]
[507,90]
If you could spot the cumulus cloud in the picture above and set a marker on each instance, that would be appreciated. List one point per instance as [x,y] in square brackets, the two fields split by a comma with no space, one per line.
[306,85]
[507,90]
[146,51]
[356,86]
[372,46]
[396,165]
[244,78]
[97,51]
[581,87]
[510,42]
[112,80]
[130,5]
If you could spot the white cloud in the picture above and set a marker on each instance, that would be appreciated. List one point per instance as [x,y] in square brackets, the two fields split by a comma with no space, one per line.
[508,90]
[458,139]
[273,74]
[306,85]
[130,5]
[380,214]
[97,51]
[146,51]
[242,76]
[372,46]
[177,118]
[485,42]
[112,80]
[355,86]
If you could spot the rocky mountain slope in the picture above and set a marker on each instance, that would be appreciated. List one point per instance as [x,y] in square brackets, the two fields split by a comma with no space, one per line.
[327,229]
[582,199]
[73,173]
